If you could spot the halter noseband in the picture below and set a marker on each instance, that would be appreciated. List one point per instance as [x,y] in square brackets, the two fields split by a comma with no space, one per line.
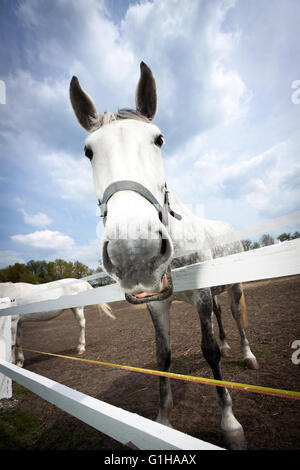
[126,185]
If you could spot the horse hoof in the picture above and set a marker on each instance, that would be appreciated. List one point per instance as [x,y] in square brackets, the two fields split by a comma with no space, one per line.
[20,363]
[251,363]
[80,351]
[234,440]
[225,351]
[164,421]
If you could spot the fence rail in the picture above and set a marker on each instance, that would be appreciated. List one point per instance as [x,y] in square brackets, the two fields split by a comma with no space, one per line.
[123,426]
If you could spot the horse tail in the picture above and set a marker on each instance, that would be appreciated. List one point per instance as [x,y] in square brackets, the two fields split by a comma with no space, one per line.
[101,308]
[105,308]
[243,308]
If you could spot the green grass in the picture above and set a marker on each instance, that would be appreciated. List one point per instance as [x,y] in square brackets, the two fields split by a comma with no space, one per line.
[25,426]
[18,429]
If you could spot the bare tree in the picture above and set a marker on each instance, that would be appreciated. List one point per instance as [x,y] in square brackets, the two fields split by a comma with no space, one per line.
[247,244]
[266,240]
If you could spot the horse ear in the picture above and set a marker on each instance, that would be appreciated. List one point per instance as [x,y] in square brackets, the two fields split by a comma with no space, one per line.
[84,107]
[146,97]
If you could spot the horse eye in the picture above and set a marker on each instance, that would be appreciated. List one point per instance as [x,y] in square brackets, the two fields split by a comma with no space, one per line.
[88,152]
[159,140]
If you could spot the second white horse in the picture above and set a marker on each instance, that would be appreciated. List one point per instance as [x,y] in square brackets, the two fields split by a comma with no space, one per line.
[24,293]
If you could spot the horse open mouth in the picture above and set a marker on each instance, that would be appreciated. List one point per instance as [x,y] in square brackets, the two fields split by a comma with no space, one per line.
[144,297]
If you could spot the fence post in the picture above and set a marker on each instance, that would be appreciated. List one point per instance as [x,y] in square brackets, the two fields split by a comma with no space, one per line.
[5,349]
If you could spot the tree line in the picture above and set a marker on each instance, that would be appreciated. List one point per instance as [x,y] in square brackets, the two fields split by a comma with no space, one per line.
[38,272]
[267,239]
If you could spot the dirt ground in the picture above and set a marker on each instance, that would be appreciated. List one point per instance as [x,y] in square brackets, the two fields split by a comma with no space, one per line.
[270,423]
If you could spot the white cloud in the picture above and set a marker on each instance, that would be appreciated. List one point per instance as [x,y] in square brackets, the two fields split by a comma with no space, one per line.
[19,201]
[45,239]
[231,91]
[186,48]
[54,245]
[39,220]
[267,182]
[86,42]
[218,169]
[191,57]
[89,253]
[72,176]
[27,13]
[32,100]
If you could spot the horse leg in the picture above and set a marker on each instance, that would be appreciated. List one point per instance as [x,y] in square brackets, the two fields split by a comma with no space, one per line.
[159,312]
[232,430]
[248,357]
[225,348]
[79,315]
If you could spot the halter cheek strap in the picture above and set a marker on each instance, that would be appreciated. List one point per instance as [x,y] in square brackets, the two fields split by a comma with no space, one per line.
[127,185]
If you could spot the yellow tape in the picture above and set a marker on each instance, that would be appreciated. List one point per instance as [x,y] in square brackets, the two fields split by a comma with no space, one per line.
[219,383]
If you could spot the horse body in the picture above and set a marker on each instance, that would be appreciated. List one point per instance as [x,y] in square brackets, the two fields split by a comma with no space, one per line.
[195,240]
[144,236]
[24,293]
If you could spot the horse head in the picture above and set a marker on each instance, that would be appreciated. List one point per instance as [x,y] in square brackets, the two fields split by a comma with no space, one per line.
[125,153]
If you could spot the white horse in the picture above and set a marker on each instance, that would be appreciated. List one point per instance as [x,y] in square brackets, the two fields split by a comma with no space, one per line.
[144,237]
[24,293]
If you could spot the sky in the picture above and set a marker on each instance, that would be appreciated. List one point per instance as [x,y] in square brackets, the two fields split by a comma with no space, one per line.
[228,81]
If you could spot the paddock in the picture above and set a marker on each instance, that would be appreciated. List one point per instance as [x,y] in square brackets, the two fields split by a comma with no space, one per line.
[270,423]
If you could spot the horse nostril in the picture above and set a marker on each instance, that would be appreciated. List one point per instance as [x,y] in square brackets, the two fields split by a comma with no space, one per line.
[163,247]
[106,260]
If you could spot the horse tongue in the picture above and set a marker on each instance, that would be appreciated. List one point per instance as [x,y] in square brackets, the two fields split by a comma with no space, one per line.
[142,295]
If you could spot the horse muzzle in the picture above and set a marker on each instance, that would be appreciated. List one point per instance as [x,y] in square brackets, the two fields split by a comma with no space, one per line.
[141,267]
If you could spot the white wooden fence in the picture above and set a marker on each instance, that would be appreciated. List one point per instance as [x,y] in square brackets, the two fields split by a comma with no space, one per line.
[264,263]
[128,428]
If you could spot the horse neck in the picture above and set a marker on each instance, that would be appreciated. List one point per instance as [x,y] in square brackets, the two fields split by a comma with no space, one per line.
[202,238]
[187,234]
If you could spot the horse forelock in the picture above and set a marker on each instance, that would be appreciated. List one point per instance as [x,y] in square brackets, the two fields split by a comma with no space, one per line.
[121,114]
[127,113]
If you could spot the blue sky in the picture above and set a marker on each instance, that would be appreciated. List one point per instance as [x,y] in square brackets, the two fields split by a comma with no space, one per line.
[225,72]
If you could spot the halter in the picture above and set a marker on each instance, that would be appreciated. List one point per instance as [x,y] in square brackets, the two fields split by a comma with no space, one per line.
[127,185]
